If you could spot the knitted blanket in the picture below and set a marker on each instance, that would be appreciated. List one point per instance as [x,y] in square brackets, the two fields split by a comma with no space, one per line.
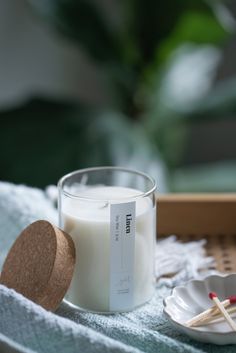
[27,327]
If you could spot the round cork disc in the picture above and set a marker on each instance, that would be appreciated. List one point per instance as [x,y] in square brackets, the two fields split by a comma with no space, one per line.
[40,264]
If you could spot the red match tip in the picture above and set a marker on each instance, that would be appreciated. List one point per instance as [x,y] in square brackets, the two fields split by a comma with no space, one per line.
[232,299]
[212,295]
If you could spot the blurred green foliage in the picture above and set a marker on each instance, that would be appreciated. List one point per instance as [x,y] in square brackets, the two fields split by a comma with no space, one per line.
[147,34]
[50,139]
[136,48]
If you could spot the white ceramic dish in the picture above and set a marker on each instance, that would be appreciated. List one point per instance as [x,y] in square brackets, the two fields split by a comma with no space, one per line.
[192,298]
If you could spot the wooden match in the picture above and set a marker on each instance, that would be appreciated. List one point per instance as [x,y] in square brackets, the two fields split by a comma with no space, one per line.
[205,315]
[217,317]
[213,296]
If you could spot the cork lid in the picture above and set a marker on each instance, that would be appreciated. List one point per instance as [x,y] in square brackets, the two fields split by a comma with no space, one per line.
[40,264]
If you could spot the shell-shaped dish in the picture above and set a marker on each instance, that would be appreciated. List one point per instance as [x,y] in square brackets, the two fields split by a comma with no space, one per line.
[191,299]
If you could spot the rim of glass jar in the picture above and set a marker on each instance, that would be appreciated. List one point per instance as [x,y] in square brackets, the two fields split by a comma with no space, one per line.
[122,169]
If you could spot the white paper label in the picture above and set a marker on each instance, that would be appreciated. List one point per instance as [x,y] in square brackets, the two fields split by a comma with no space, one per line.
[122,243]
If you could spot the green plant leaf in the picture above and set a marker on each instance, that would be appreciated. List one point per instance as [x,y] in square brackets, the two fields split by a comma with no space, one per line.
[194,27]
[82,22]
[42,141]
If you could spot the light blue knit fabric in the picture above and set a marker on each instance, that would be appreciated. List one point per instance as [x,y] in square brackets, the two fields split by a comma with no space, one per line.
[26,327]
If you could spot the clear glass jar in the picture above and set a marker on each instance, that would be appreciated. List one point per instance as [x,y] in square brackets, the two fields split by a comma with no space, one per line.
[110,214]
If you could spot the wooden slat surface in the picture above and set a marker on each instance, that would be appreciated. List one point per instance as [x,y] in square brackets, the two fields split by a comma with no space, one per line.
[202,216]
[196,214]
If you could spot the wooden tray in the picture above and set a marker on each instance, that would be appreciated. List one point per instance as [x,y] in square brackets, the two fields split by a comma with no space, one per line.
[202,216]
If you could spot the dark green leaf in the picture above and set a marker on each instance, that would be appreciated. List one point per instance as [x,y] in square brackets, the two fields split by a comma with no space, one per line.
[42,141]
[82,22]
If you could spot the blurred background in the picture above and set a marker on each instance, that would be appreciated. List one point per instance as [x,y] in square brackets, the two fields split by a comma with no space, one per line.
[149,85]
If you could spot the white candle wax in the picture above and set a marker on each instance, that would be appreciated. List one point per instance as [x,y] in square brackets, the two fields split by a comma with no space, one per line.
[88,223]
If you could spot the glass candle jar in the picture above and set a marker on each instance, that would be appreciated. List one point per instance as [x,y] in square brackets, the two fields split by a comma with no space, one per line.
[111,216]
